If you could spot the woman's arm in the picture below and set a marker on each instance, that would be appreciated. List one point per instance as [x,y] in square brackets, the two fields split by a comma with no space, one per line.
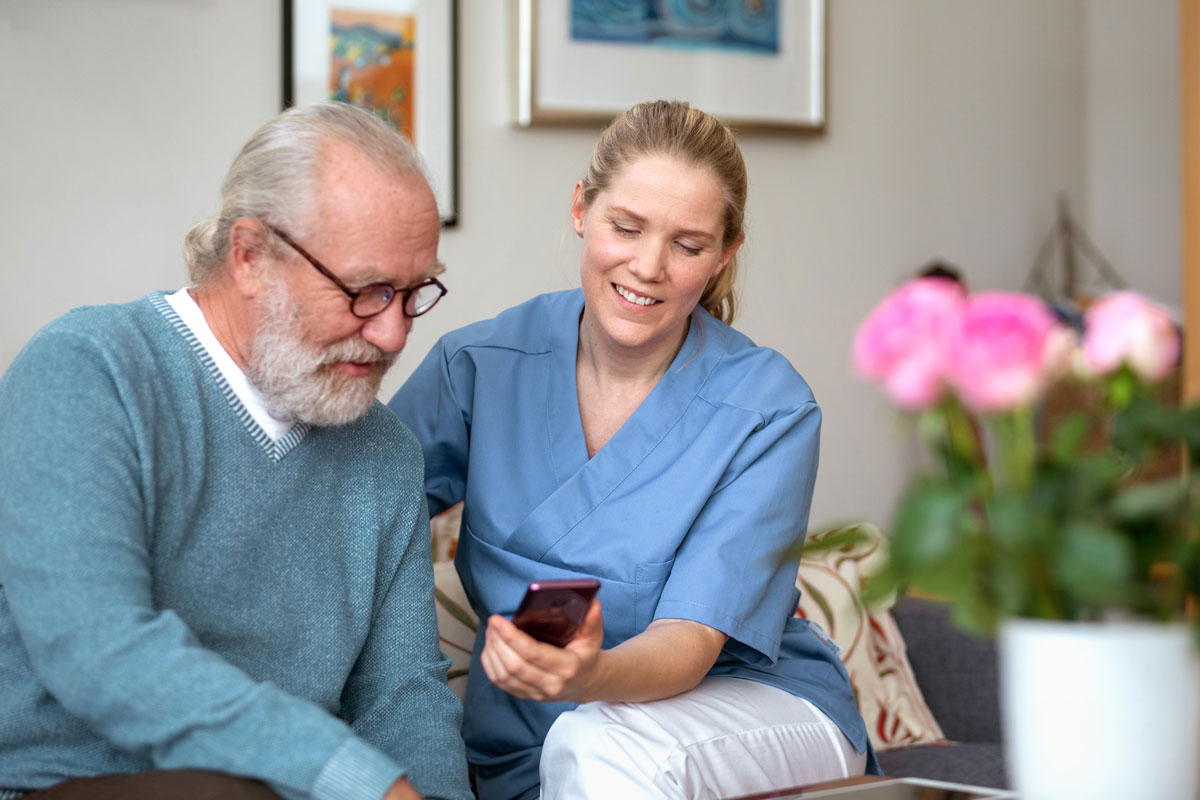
[670,657]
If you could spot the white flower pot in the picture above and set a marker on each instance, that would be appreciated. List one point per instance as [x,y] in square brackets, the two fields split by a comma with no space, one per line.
[1100,710]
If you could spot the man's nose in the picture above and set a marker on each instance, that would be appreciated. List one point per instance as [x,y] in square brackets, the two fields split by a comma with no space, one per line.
[388,330]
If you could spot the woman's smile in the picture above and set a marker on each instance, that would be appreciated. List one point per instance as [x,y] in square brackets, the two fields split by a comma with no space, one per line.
[633,297]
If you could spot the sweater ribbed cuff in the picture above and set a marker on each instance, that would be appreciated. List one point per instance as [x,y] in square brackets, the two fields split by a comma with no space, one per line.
[357,771]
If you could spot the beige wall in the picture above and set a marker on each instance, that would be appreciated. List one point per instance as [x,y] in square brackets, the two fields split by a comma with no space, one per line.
[1131,140]
[953,124]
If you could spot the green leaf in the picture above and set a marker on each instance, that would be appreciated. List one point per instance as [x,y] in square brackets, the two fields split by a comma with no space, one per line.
[927,525]
[1012,520]
[1069,435]
[1085,485]
[456,611]
[975,614]
[952,576]
[846,536]
[1189,566]
[1161,499]
[1121,387]
[1094,566]
[1189,430]
[882,586]
[1012,588]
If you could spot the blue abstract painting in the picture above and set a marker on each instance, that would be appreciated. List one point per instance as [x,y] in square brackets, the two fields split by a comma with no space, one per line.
[749,25]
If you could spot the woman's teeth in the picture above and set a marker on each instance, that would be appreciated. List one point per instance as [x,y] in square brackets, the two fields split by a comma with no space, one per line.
[633,298]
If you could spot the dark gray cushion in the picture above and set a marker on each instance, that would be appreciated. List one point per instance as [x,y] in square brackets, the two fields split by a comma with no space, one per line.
[974,763]
[955,670]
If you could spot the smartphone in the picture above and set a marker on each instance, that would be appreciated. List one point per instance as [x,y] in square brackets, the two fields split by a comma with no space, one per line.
[552,611]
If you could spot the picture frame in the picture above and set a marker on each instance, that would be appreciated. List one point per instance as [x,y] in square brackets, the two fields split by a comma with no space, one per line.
[572,70]
[397,58]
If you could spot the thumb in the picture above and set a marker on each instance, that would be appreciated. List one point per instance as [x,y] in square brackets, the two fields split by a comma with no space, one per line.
[591,631]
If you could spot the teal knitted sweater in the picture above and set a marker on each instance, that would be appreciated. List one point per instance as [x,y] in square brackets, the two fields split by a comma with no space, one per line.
[180,591]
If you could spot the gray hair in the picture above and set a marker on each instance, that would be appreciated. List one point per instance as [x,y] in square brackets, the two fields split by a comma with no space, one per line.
[274,177]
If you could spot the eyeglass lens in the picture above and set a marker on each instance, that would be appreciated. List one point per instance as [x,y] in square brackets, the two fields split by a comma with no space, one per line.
[417,300]
[422,298]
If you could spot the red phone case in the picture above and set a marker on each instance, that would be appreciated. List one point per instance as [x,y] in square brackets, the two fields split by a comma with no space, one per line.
[552,611]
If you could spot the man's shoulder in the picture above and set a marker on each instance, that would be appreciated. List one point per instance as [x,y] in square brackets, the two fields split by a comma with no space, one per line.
[102,322]
[379,438]
[116,333]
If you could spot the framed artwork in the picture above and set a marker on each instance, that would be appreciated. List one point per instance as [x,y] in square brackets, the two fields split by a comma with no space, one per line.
[396,58]
[753,63]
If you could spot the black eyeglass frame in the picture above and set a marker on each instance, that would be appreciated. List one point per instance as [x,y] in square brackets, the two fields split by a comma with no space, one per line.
[370,288]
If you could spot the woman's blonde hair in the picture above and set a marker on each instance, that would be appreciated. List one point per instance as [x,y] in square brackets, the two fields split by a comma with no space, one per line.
[674,128]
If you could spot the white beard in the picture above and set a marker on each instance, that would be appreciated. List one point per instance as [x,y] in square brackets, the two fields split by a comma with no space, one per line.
[296,379]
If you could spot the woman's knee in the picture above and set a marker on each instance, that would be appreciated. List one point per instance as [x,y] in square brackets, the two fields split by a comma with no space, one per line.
[598,750]
[576,732]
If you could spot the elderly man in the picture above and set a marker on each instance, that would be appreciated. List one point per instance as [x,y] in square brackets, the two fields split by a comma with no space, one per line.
[214,547]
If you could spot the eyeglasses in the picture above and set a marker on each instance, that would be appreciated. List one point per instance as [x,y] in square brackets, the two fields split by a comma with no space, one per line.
[373,298]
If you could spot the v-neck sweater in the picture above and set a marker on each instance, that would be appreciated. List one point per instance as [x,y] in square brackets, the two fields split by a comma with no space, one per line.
[180,591]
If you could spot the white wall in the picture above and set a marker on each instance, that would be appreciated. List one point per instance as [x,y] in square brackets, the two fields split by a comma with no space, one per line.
[1132,202]
[952,126]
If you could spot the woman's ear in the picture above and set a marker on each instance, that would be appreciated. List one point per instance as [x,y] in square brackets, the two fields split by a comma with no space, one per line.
[247,254]
[578,210]
[728,253]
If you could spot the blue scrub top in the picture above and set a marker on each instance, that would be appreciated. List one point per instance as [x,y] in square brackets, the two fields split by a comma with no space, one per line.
[693,510]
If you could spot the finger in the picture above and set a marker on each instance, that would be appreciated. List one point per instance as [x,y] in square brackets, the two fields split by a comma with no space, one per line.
[528,675]
[546,657]
[506,667]
[499,674]
[540,669]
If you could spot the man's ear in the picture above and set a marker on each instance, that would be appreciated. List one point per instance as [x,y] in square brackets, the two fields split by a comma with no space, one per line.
[577,208]
[248,250]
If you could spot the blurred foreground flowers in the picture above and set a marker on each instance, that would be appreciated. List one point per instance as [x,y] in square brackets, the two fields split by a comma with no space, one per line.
[1054,520]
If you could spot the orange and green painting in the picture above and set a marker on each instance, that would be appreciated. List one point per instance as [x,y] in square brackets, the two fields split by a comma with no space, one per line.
[372,63]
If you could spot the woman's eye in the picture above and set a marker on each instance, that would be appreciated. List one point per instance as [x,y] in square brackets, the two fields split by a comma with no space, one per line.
[689,250]
[622,230]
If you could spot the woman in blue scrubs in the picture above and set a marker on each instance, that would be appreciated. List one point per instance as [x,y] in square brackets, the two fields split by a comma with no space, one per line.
[623,431]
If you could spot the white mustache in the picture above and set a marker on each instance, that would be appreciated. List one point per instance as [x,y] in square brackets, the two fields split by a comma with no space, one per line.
[358,352]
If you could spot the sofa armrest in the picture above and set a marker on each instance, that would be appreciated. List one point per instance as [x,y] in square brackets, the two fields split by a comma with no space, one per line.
[955,670]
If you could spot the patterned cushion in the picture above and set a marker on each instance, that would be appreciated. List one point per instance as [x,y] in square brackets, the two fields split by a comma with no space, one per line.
[456,623]
[873,650]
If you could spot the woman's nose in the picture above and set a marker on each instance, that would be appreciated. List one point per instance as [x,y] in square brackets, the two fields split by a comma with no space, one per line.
[650,261]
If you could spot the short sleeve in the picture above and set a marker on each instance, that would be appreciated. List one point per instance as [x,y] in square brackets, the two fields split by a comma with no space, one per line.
[736,568]
[429,404]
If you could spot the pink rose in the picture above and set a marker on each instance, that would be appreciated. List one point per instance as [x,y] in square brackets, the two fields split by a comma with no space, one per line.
[1126,328]
[903,341]
[1007,349]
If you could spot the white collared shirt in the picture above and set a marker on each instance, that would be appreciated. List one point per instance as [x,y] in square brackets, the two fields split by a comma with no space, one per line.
[189,311]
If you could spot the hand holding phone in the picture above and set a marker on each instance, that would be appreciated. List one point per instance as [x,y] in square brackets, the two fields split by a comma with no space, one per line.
[552,611]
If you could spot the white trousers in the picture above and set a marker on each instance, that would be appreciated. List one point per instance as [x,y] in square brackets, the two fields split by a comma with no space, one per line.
[727,737]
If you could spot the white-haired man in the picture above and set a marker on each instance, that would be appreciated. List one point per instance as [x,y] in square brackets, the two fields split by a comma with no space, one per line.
[214,549]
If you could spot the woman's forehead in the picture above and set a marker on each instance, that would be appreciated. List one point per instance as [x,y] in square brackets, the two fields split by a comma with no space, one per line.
[652,185]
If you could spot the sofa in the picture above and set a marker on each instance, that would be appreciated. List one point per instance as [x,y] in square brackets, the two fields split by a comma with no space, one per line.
[927,691]
[956,673]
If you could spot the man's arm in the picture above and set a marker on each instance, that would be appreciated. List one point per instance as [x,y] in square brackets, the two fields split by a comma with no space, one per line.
[75,564]
[397,697]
